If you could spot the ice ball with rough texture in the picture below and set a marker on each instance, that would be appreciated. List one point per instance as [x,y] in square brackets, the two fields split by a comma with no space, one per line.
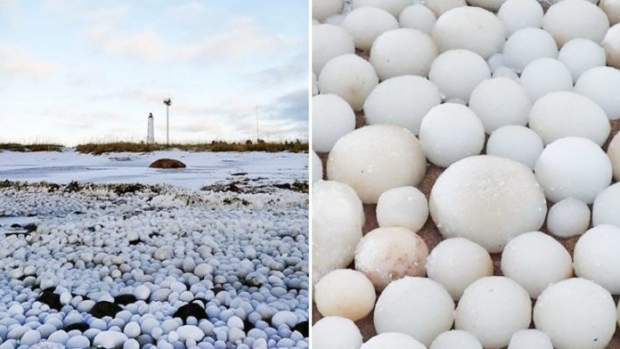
[394,7]
[563,309]
[457,72]
[450,132]
[565,114]
[332,118]
[416,306]
[365,24]
[519,14]
[334,332]
[611,9]
[376,158]
[569,217]
[527,45]
[322,9]
[605,207]
[404,207]
[488,200]
[499,102]
[456,339]
[571,19]
[597,258]
[417,16]
[393,340]
[456,263]
[401,101]
[349,76]
[573,167]
[317,168]
[329,41]
[602,85]
[387,254]
[611,45]
[515,142]
[530,339]
[546,75]
[470,28]
[613,151]
[580,55]
[402,51]
[346,293]
[439,7]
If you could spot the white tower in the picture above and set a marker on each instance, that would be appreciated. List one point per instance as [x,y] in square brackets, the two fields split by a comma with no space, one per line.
[150,137]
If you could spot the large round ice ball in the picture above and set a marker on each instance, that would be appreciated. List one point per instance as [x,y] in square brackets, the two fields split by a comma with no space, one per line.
[530,339]
[605,207]
[565,114]
[580,55]
[404,207]
[402,52]
[321,9]
[611,9]
[451,132]
[613,151]
[515,142]
[519,14]
[392,340]
[602,85]
[535,260]
[417,16]
[376,158]
[345,292]
[456,339]
[329,41]
[349,76]
[597,257]
[457,72]
[546,75]
[332,118]
[573,167]
[416,306]
[563,309]
[440,7]
[335,332]
[499,102]
[470,28]
[391,103]
[317,168]
[487,199]
[493,309]
[394,7]
[387,254]
[571,19]
[365,24]
[611,45]
[456,263]
[569,217]
[527,45]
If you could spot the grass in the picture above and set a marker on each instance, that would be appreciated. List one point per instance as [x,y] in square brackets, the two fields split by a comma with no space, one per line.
[215,146]
[23,148]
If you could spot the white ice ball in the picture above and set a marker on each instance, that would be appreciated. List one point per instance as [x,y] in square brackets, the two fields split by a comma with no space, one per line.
[563,309]
[597,258]
[602,85]
[613,152]
[457,72]
[499,102]
[416,306]
[393,340]
[450,132]
[580,55]
[417,16]
[505,72]
[321,9]
[332,118]
[456,263]
[365,24]
[527,45]
[335,332]
[493,309]
[317,168]
[573,167]
[349,76]
[376,158]
[404,207]
[345,292]
[391,103]
[546,75]
[611,45]
[530,339]
[329,41]
[487,199]
[519,14]
[569,217]
[517,143]
[394,7]
[470,28]
[611,9]
[571,19]
[456,339]
[605,207]
[402,52]
[491,5]
[440,7]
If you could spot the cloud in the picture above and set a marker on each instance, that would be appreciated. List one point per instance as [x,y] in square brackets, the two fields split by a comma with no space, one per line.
[188,10]
[16,62]
[110,14]
[143,44]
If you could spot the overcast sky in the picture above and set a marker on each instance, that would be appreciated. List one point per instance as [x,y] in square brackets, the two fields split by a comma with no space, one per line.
[82,71]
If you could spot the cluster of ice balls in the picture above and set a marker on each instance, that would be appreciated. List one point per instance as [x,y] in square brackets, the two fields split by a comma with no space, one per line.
[432,80]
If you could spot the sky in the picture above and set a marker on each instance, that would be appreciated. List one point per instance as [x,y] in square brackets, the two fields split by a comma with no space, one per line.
[76,71]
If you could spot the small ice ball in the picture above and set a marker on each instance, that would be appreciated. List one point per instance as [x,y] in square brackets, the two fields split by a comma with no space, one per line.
[376,158]
[580,55]
[365,24]
[404,207]
[387,254]
[345,292]
[417,16]
[505,72]
[569,217]
[493,309]
[335,332]
[568,114]
[470,28]
[457,72]
[530,339]
[456,263]
[450,132]
[519,14]
[456,339]
[317,168]
[573,167]
[349,76]
[332,118]
[602,85]
[496,60]
[571,19]
[416,306]
[500,101]
[611,9]
[392,340]
[597,258]
[439,7]
[321,9]
[605,207]
[394,7]
[527,45]
[402,51]
[611,45]
[391,103]
[329,41]
[563,308]
[517,143]
[546,75]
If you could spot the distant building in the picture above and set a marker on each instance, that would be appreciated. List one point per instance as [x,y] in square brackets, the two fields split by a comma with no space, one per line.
[150,137]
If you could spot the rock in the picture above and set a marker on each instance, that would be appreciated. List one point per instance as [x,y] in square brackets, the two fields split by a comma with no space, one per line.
[80,326]
[191,309]
[50,298]
[109,339]
[124,299]
[167,163]
[303,328]
[104,308]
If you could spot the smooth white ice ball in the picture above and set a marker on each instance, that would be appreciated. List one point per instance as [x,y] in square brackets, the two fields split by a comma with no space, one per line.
[569,217]
[496,61]
[404,207]
[546,75]
[605,207]
[391,102]
[571,19]
[457,72]
[613,152]
[332,118]
[439,7]
[417,16]
[580,55]
[456,263]
[470,28]
[402,51]
[488,200]
[519,14]
[573,167]
[563,309]
[321,9]
[345,292]
[393,340]
[597,258]
[565,114]
[317,168]
[394,7]
[493,309]
[611,9]
[517,143]
[329,41]
[350,77]
[387,254]
[376,158]
[527,45]
[505,72]
[602,85]
[450,132]
[416,306]
[611,45]
[491,5]
[456,339]
[499,102]
[530,339]
[365,24]
[335,332]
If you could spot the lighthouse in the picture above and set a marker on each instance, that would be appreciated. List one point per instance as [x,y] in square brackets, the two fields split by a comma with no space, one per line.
[150,137]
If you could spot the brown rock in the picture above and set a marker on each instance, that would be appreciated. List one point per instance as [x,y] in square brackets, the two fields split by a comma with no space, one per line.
[167,163]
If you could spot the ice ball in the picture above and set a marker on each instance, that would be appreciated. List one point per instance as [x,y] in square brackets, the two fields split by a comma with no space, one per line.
[546,75]
[571,19]
[365,24]
[613,152]
[332,118]
[457,72]
[527,45]
[491,5]
[580,55]
[404,207]
[519,14]
[346,293]
[611,45]
[500,101]
[517,143]
[605,207]
[349,76]
[335,332]
[439,7]
[611,9]
[602,85]
[329,41]
[393,340]
[321,9]
[505,72]
[569,217]
[417,16]
[597,258]
[456,339]
[530,339]
[317,168]
[394,7]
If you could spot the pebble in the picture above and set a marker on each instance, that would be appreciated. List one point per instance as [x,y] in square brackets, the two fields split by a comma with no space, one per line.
[190,332]
[109,339]
[77,342]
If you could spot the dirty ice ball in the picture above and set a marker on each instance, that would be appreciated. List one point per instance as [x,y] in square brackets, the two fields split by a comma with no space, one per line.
[404,207]
[569,217]
[457,72]
[334,332]
[346,293]
[527,45]
[611,9]
[571,19]
[456,339]
[332,118]
[519,14]
[417,16]
[349,76]
[597,258]
[365,24]
[602,85]
[580,55]
[393,340]
[329,41]
[499,102]
[546,75]
[611,45]
[317,168]
[530,339]
[515,142]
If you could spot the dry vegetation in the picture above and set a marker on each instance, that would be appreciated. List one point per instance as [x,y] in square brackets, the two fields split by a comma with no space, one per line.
[30,147]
